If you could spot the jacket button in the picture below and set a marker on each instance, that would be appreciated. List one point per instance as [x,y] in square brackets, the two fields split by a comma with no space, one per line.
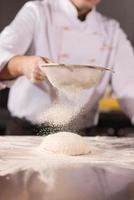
[64,55]
[66,28]
[97,33]
[106,47]
[93,61]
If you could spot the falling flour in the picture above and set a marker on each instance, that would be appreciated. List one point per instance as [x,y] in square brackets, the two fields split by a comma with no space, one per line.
[58,115]
[71,84]
[61,113]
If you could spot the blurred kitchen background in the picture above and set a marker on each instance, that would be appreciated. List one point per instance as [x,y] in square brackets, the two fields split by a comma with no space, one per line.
[112,120]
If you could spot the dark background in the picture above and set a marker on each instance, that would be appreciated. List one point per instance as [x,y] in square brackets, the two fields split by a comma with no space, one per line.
[122,10]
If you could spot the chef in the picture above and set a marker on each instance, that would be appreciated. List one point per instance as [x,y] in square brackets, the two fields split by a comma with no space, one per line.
[62,31]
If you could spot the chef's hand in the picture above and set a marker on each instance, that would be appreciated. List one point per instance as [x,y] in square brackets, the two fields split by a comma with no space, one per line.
[32,69]
[28,66]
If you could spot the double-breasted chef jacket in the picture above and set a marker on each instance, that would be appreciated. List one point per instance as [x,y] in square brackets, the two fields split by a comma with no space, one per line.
[52,29]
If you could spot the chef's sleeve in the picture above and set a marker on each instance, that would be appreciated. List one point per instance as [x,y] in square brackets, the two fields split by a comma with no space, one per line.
[123,78]
[16,38]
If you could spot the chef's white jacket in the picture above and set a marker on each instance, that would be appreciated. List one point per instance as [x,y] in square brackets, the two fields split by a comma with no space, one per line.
[50,28]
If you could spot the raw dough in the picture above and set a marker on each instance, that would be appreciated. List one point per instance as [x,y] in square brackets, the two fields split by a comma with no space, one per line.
[66,143]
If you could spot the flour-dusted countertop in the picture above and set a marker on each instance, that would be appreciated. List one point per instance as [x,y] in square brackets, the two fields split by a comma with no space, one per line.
[28,174]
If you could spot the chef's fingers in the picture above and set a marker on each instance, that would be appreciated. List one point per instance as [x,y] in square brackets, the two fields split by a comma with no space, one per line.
[42,62]
[37,78]
[37,75]
[38,71]
[40,76]
[46,60]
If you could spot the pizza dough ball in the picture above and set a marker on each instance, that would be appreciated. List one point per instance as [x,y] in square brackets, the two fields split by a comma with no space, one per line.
[66,143]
